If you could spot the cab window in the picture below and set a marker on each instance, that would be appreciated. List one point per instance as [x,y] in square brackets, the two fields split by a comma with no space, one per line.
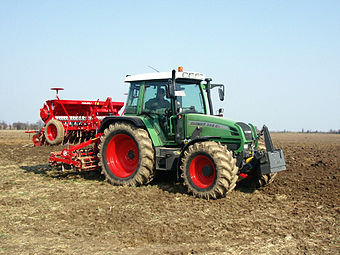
[190,98]
[132,101]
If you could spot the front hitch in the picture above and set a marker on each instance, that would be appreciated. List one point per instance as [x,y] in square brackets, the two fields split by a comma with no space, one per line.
[271,160]
[265,162]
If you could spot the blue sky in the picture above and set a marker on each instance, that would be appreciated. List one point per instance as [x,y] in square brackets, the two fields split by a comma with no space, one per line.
[279,60]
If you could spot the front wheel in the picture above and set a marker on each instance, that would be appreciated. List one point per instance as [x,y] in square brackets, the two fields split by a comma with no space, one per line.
[258,181]
[126,155]
[209,170]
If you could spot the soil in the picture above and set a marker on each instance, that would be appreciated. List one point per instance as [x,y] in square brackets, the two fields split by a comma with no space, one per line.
[45,211]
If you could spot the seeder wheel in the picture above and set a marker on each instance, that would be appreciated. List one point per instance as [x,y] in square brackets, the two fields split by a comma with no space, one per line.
[54,132]
[36,140]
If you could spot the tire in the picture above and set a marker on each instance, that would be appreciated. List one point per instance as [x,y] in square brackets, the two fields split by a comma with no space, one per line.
[36,140]
[126,155]
[54,132]
[209,170]
[258,181]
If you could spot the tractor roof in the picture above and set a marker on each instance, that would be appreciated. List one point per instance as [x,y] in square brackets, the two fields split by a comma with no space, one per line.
[165,76]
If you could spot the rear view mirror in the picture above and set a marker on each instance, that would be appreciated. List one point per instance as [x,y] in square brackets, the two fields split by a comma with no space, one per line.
[170,92]
[170,88]
[220,112]
[221,94]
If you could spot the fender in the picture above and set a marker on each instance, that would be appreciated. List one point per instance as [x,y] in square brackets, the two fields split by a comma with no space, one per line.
[113,119]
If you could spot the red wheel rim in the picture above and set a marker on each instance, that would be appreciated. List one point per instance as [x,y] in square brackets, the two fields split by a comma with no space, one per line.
[122,155]
[52,132]
[36,140]
[202,171]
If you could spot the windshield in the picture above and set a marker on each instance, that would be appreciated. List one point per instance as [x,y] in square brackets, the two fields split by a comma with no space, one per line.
[189,98]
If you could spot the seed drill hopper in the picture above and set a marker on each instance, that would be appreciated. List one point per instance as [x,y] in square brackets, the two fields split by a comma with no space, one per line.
[72,121]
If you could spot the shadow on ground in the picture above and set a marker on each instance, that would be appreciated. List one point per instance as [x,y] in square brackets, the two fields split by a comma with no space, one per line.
[166,181]
[169,181]
[52,172]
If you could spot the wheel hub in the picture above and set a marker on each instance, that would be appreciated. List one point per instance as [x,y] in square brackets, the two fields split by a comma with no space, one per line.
[207,171]
[131,154]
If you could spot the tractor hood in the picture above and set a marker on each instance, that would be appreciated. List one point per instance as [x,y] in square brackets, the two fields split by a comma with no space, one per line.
[213,126]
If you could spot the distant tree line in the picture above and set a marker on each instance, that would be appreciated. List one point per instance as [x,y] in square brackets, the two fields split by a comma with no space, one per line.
[331,131]
[21,125]
[39,124]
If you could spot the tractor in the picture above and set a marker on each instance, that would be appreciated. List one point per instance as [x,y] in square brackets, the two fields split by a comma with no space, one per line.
[169,125]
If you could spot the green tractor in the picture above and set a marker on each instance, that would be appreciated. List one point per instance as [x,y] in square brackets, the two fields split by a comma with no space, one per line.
[169,125]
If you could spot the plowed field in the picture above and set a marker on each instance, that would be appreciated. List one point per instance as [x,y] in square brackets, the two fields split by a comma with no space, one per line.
[45,211]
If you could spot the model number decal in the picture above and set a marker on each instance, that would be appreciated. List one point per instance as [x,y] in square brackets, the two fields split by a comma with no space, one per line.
[207,124]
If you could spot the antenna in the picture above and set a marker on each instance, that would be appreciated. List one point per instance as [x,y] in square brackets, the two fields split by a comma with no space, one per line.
[154,69]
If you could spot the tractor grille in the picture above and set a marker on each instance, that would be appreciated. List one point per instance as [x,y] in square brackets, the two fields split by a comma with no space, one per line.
[246,130]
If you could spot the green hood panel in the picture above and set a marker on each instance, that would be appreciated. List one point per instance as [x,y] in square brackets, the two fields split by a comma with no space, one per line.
[225,130]
[228,130]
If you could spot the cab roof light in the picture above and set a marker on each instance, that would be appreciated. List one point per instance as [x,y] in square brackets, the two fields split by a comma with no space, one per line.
[180,69]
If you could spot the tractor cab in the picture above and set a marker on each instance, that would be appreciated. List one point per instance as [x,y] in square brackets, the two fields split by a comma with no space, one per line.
[185,91]
[164,98]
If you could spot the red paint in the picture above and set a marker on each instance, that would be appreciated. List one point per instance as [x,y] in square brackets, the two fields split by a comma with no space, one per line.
[52,132]
[244,175]
[122,155]
[77,115]
[78,156]
[196,173]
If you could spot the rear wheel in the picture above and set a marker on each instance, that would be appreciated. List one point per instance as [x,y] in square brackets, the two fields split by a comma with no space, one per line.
[126,155]
[54,132]
[209,170]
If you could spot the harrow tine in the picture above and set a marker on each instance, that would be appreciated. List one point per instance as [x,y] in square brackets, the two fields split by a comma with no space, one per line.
[83,136]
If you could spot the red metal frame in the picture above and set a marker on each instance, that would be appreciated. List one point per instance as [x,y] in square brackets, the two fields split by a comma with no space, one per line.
[82,116]
[77,156]
[38,137]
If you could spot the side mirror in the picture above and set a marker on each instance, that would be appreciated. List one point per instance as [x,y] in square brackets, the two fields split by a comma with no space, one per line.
[167,92]
[220,112]
[221,94]
[170,88]
[170,92]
